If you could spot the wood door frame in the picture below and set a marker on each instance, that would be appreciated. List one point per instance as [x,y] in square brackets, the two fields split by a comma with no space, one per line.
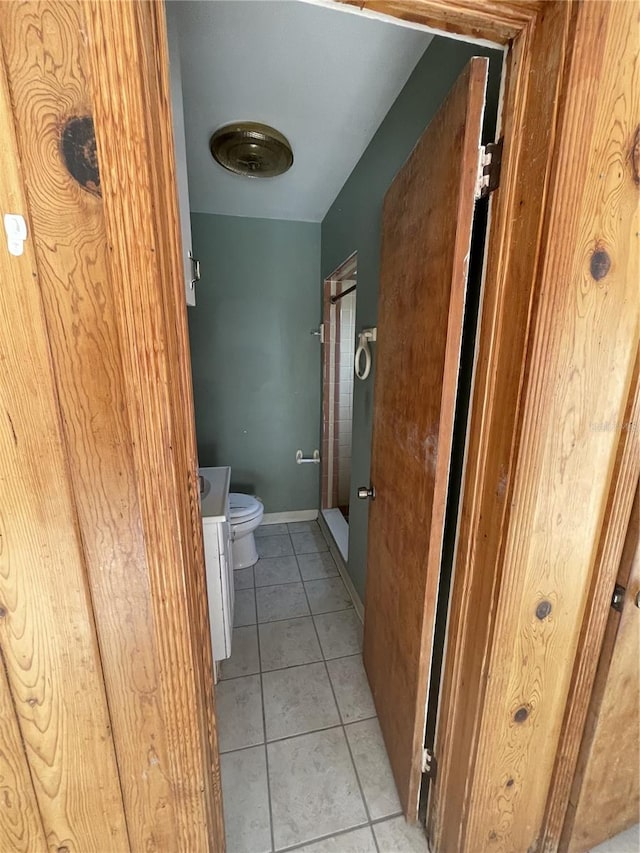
[543,61]
[601,687]
[128,57]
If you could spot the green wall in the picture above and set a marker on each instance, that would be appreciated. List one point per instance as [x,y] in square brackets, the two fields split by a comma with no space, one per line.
[353,223]
[256,367]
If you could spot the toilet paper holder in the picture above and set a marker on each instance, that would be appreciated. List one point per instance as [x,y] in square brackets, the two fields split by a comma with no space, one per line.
[314,460]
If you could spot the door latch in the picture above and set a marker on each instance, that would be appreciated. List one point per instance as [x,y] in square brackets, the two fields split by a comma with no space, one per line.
[366,492]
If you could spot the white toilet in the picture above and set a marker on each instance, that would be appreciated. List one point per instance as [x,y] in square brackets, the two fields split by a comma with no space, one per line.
[246,514]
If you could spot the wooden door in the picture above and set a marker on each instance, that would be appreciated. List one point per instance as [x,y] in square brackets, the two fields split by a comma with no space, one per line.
[60,775]
[605,798]
[107,723]
[426,232]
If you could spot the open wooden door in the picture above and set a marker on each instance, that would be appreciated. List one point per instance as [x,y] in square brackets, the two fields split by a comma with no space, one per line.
[426,234]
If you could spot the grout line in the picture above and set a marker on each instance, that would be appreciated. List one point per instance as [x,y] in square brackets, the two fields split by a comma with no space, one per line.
[296,665]
[266,751]
[340,717]
[336,834]
[302,616]
[302,734]
[377,820]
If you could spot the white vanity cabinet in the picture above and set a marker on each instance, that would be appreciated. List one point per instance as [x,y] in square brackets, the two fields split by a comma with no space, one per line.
[218,557]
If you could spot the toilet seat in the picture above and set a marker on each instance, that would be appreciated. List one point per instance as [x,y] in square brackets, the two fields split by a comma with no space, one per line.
[243,507]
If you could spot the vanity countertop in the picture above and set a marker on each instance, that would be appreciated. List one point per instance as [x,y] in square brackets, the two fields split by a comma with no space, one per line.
[214,504]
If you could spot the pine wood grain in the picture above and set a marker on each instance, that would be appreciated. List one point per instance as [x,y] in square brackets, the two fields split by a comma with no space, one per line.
[20,825]
[582,349]
[140,202]
[71,246]
[605,797]
[533,81]
[490,20]
[420,314]
[47,636]
[608,560]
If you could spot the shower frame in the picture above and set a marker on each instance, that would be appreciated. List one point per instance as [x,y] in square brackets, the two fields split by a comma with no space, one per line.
[340,282]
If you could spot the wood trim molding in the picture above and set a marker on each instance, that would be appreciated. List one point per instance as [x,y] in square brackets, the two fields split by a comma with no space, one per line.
[508,298]
[560,473]
[612,540]
[132,112]
[490,20]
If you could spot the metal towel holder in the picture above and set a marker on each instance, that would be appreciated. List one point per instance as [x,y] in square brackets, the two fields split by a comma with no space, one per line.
[364,337]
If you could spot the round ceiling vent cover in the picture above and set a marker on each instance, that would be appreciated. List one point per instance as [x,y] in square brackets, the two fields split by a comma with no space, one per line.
[251,149]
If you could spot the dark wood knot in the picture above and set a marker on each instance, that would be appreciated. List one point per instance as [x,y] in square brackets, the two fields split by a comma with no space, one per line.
[635,157]
[521,714]
[78,149]
[543,609]
[600,264]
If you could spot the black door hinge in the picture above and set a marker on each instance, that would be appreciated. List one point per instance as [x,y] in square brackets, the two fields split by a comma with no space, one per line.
[617,599]
[489,163]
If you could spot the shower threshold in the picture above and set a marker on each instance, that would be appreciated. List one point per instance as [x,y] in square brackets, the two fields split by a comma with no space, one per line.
[339,530]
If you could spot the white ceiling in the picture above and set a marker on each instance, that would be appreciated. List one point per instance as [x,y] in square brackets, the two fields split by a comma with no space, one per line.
[324,78]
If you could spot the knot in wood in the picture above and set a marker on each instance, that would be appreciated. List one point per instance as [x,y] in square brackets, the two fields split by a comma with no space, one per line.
[79,153]
[543,609]
[600,264]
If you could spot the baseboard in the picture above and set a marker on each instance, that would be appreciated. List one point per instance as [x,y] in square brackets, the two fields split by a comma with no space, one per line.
[342,568]
[294,515]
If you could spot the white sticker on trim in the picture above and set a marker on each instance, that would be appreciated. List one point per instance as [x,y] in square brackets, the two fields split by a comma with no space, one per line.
[16,230]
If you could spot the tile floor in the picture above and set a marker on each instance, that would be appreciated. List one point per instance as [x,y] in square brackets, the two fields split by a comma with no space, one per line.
[303,763]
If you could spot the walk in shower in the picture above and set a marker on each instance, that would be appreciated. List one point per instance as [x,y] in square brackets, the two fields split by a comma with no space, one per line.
[339,321]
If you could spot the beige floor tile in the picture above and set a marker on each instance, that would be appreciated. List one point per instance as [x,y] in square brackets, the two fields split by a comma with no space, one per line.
[396,836]
[243,578]
[244,609]
[351,687]
[315,566]
[327,594]
[340,633]
[244,659]
[274,546]
[298,700]
[302,526]
[239,713]
[314,789]
[625,842]
[374,770]
[354,841]
[309,542]
[270,530]
[285,601]
[246,801]
[275,570]
[288,643]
